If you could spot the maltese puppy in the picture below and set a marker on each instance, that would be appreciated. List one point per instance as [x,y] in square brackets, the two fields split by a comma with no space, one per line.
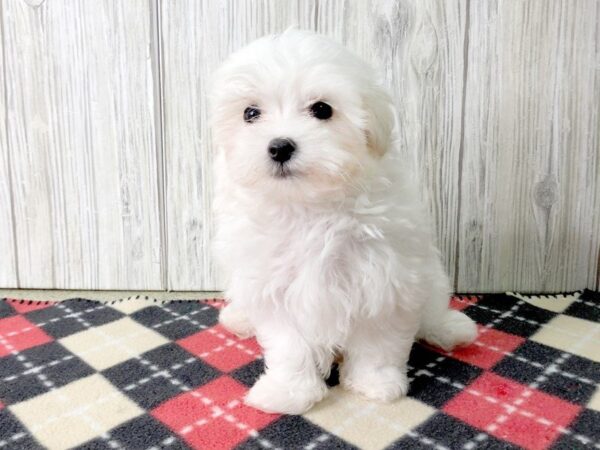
[326,245]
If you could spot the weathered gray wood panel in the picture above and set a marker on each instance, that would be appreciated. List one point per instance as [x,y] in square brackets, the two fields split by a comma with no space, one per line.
[530,171]
[81,136]
[419,46]
[102,160]
[8,266]
[196,38]
[424,71]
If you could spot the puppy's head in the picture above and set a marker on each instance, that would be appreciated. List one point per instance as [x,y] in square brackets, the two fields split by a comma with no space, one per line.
[299,118]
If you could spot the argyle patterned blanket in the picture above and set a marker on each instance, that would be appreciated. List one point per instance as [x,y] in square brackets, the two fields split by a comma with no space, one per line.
[143,374]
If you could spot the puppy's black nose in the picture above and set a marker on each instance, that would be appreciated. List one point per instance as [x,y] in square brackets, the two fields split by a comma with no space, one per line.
[281,149]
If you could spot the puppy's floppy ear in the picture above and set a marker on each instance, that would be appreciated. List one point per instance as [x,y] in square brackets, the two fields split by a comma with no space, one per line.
[380,119]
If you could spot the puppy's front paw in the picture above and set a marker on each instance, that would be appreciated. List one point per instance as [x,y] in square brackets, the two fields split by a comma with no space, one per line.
[384,384]
[234,319]
[270,395]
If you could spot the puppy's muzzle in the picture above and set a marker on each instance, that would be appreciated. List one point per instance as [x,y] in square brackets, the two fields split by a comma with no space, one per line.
[281,149]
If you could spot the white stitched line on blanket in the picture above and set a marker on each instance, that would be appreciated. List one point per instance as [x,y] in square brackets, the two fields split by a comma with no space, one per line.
[112,442]
[210,330]
[522,319]
[17,436]
[322,438]
[472,443]
[170,321]
[525,360]
[229,343]
[106,436]
[341,426]
[160,373]
[74,315]
[67,358]
[581,438]
[532,363]
[167,442]
[172,379]
[413,434]
[176,382]
[520,358]
[111,342]
[406,431]
[481,437]
[364,412]
[77,411]
[526,392]
[46,382]
[34,370]
[218,412]
[56,319]
[23,360]
[508,407]
[14,438]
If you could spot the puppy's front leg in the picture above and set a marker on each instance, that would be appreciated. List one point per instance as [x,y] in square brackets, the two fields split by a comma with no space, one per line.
[375,358]
[291,383]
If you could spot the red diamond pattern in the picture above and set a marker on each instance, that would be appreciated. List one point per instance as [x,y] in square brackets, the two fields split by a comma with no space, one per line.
[460,303]
[213,416]
[221,349]
[17,334]
[512,411]
[491,347]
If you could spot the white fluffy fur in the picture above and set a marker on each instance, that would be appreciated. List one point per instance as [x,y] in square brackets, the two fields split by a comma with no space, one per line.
[338,257]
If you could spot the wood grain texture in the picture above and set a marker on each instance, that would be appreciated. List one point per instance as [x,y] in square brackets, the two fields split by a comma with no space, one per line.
[8,263]
[80,119]
[196,38]
[418,48]
[530,193]
[106,155]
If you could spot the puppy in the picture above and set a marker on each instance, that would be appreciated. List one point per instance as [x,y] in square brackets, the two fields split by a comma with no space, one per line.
[320,229]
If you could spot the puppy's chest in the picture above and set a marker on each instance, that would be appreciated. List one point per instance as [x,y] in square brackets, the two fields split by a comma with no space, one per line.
[310,248]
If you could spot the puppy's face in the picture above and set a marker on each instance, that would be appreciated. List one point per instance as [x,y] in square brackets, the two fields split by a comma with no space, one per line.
[298,118]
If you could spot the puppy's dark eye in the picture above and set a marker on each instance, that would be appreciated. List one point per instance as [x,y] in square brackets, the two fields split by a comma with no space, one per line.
[321,110]
[251,113]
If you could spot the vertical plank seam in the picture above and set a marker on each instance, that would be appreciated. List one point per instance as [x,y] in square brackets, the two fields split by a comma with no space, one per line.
[13,224]
[315,14]
[462,141]
[157,70]
[597,179]
[597,286]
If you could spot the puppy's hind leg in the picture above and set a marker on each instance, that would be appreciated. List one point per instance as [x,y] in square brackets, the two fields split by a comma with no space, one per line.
[442,326]
[233,317]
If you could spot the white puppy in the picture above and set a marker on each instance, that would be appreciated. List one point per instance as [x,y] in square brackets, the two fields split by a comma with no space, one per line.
[327,247]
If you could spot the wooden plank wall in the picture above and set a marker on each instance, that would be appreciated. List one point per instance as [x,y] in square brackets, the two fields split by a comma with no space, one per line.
[105,165]
[80,126]
[8,262]
[426,78]
[530,186]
